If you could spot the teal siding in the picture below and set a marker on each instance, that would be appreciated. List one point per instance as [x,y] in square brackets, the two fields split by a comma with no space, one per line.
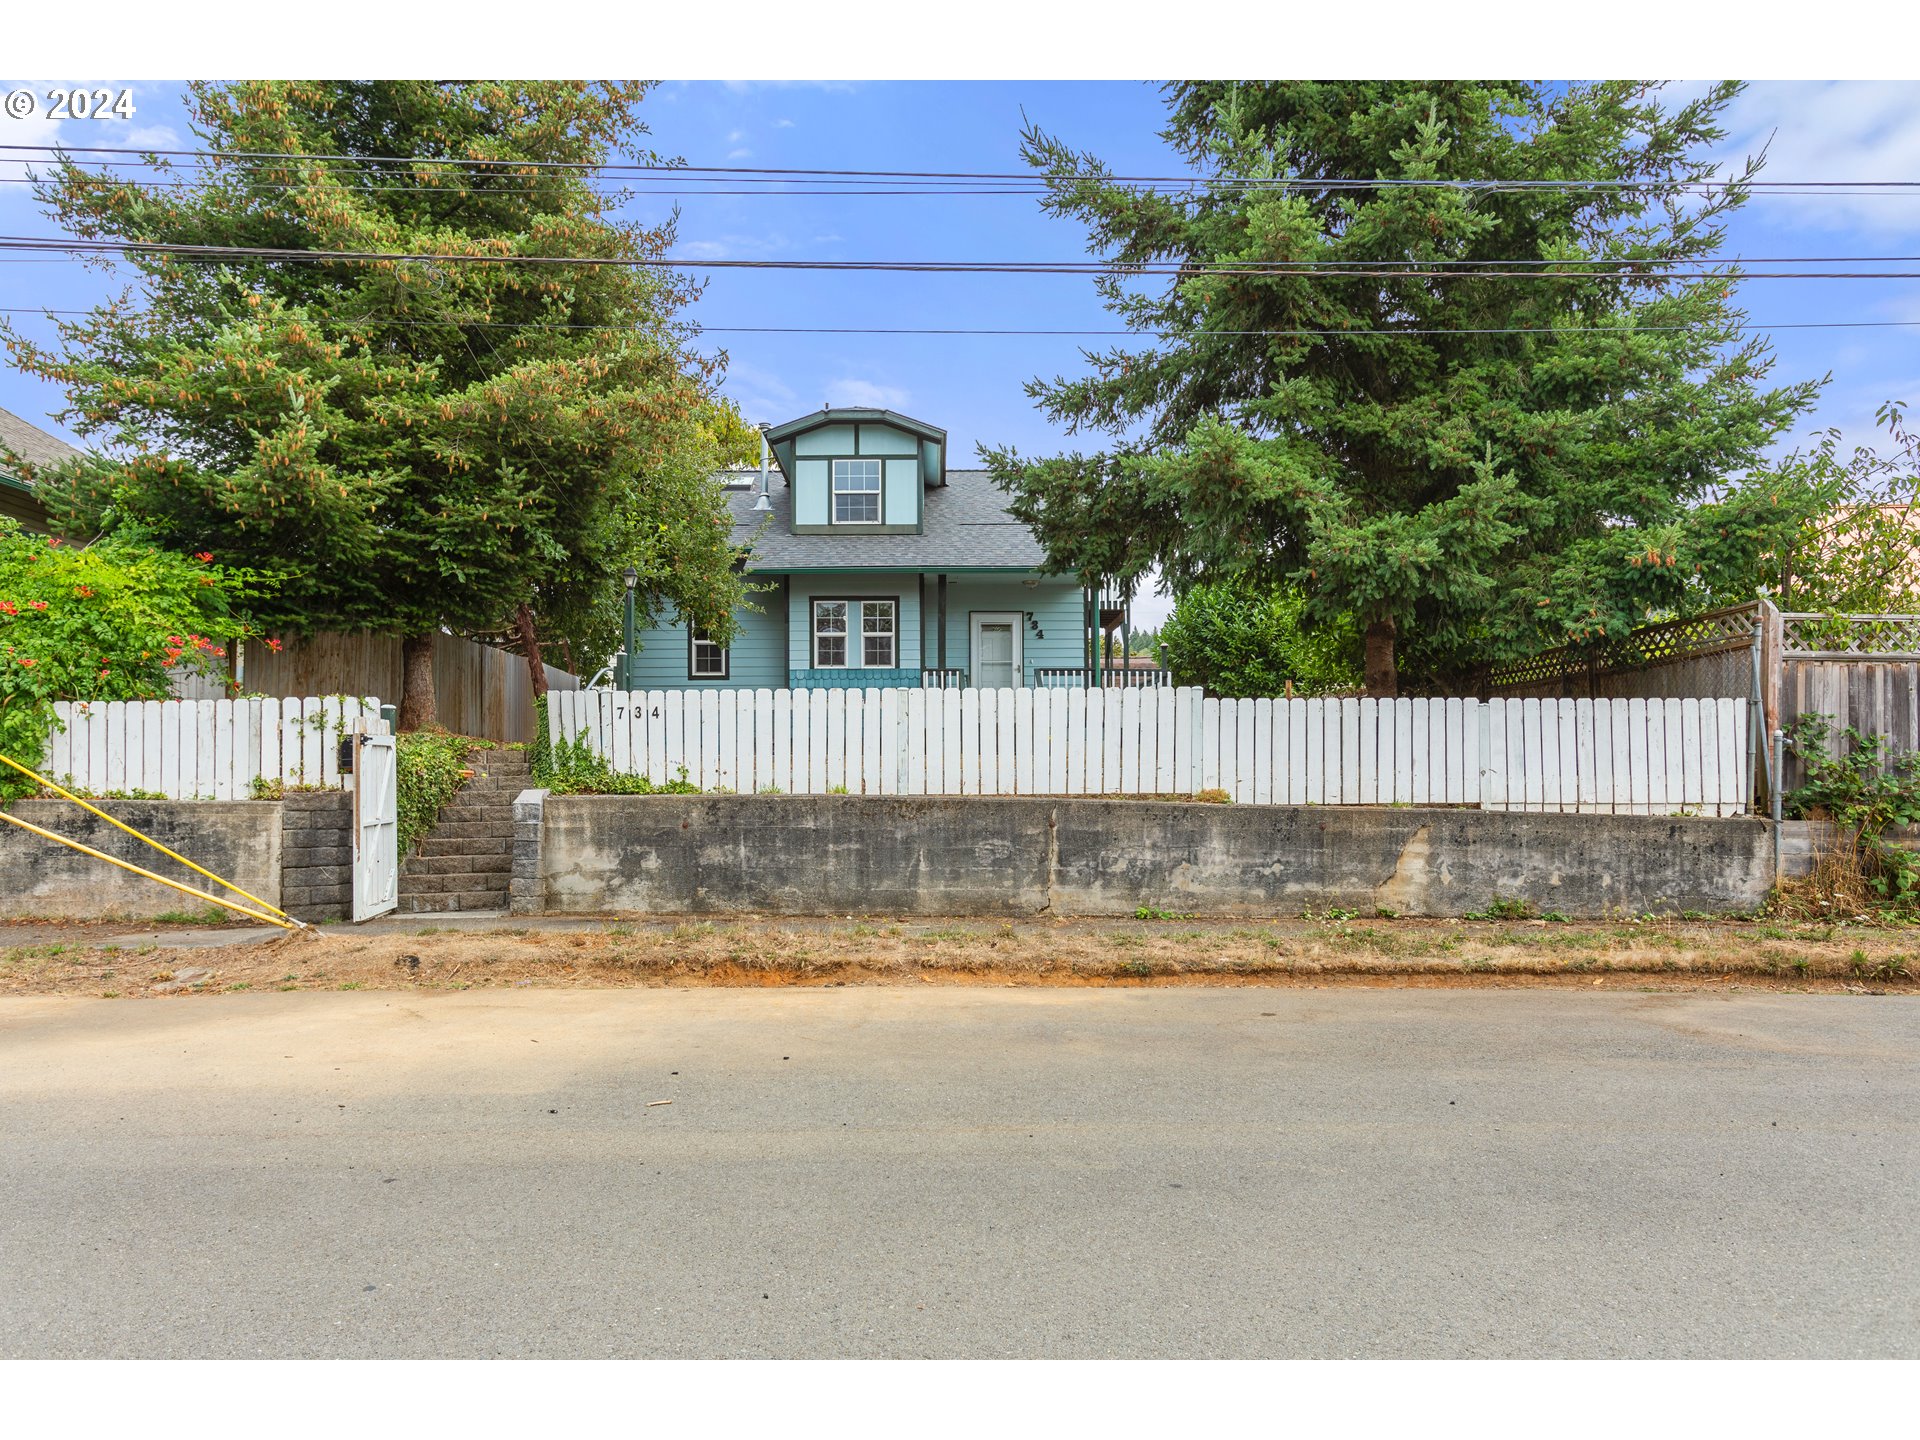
[885,440]
[758,655]
[827,440]
[812,489]
[1053,636]
[774,647]
[903,586]
[902,503]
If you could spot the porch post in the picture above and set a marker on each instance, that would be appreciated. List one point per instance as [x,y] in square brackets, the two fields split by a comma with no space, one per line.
[941,586]
[1099,630]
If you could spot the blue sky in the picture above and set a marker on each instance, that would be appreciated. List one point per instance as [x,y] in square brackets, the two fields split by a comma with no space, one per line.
[972,385]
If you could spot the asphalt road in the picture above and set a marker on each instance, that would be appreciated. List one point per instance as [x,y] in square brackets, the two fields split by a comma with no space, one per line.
[966,1172]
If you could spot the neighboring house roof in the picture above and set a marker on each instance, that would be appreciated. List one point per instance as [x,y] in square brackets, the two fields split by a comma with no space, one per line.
[30,443]
[36,447]
[965,527]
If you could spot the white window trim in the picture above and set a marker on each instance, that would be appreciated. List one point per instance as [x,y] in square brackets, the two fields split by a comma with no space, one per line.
[892,632]
[1018,620]
[694,642]
[846,635]
[856,633]
[834,492]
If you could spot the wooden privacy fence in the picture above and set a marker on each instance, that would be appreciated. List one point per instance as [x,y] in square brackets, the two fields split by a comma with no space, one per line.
[478,690]
[1649,757]
[203,749]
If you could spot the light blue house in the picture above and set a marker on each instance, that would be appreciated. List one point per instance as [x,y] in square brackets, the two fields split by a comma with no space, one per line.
[882,568]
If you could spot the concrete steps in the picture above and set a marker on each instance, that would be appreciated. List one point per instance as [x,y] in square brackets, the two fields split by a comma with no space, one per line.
[466,862]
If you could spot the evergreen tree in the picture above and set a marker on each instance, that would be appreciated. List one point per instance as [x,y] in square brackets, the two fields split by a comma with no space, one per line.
[474,443]
[1374,431]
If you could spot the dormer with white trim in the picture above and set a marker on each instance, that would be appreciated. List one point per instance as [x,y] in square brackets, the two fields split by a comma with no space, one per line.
[859,471]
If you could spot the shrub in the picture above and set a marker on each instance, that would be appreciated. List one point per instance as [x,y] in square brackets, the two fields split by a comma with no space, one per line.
[1856,787]
[1241,640]
[108,621]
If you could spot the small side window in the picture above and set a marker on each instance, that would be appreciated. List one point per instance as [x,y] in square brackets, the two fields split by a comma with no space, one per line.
[706,660]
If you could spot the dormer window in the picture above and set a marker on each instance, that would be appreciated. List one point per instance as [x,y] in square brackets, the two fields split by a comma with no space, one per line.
[856,492]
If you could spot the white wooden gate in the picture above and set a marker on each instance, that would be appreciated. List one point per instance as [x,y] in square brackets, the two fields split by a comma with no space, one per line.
[376,826]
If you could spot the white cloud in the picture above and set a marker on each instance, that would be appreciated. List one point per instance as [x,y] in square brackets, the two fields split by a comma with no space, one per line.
[783,124]
[154,137]
[1830,130]
[733,246]
[734,137]
[761,395]
[867,394]
[741,154]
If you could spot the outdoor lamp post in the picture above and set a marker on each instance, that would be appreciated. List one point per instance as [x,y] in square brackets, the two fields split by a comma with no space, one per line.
[632,577]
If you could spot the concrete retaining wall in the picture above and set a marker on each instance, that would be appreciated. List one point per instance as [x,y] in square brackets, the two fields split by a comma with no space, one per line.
[829,854]
[239,840]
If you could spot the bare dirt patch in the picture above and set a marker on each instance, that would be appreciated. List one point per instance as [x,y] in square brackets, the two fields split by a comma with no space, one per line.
[774,952]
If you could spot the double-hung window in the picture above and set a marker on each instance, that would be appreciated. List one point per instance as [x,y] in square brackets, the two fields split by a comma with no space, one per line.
[829,634]
[876,634]
[877,623]
[705,660]
[856,492]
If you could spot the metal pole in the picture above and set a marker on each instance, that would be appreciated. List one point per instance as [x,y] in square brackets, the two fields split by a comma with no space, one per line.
[1757,730]
[1779,770]
[626,642]
[1099,632]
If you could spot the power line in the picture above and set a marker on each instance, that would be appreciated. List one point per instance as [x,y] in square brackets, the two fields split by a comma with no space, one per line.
[1177,267]
[481,164]
[1638,271]
[695,328]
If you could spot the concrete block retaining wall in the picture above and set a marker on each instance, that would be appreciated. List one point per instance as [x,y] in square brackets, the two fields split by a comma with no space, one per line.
[240,840]
[317,855]
[829,854]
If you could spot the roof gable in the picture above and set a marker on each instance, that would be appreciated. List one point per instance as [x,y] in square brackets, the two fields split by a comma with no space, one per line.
[931,449]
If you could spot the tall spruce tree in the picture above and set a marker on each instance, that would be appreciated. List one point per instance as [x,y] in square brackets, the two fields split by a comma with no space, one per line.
[1456,427]
[481,442]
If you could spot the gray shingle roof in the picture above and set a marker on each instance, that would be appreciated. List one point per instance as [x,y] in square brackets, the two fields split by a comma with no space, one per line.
[966,526]
[30,443]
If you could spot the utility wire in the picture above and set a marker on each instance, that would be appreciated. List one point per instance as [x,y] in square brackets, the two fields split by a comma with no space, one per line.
[480,164]
[695,328]
[1628,270]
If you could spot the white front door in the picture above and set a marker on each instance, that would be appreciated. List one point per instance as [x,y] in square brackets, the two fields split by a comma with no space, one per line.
[996,650]
[376,826]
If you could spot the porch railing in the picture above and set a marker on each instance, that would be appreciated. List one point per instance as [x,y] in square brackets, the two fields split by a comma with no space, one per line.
[1079,677]
[952,678]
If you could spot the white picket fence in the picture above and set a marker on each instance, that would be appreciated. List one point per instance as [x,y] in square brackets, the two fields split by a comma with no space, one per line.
[1645,757]
[203,749]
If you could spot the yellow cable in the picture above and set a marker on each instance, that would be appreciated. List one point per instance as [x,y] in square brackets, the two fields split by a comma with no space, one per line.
[68,794]
[284,924]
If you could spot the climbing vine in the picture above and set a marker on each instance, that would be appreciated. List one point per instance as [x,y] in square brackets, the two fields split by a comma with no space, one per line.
[431,766]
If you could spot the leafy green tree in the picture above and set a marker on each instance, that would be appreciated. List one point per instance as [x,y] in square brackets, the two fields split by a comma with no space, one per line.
[470,443]
[111,621]
[1239,639]
[1445,417]
[1850,539]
